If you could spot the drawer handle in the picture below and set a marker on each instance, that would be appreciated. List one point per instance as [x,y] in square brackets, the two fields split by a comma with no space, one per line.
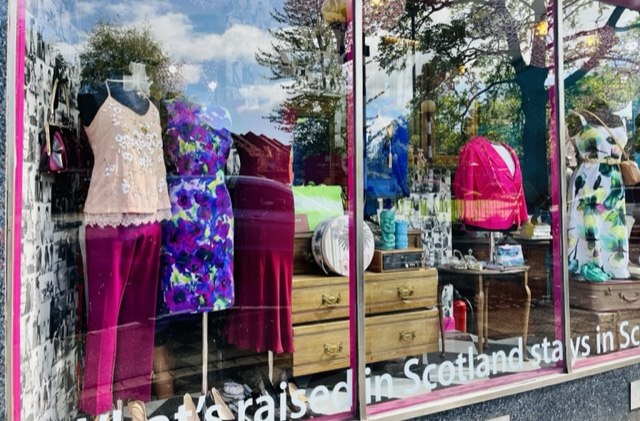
[331,300]
[405,292]
[630,300]
[333,349]
[407,336]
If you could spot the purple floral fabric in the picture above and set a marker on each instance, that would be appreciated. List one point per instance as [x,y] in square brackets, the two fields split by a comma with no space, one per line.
[197,254]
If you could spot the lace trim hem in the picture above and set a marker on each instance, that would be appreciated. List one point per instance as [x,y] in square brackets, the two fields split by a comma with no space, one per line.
[125,219]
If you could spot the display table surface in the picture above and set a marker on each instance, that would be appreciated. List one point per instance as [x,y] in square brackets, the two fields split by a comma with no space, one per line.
[479,281]
[537,255]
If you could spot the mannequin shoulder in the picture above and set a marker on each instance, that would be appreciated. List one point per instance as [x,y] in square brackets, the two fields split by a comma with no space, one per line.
[89,104]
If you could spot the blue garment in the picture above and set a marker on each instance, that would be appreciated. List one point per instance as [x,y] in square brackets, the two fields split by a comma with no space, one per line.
[382,181]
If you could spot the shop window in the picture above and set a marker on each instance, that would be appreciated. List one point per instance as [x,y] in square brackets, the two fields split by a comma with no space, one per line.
[186,197]
[460,146]
[178,158]
[601,84]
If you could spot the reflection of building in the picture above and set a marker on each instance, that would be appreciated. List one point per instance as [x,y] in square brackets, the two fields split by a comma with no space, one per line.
[268,155]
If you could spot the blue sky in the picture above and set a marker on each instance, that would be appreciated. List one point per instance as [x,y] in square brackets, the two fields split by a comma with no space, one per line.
[214,40]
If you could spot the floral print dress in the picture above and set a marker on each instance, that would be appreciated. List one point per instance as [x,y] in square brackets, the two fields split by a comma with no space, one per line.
[598,241]
[197,253]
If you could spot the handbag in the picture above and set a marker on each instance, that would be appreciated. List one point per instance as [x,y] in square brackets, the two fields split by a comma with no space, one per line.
[628,167]
[63,150]
[509,255]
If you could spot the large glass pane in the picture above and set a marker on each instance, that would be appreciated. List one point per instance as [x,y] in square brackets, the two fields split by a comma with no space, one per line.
[602,91]
[458,194]
[181,158]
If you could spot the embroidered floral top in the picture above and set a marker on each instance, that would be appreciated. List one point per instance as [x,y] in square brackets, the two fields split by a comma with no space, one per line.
[487,194]
[128,183]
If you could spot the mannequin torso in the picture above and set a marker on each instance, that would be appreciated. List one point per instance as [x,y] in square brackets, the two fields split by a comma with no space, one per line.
[90,103]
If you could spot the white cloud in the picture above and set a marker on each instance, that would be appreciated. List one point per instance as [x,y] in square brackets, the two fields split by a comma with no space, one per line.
[87,8]
[191,73]
[262,98]
[179,36]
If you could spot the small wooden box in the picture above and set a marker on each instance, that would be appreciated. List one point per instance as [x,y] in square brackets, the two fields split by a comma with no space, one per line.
[397,260]
[415,238]
[303,261]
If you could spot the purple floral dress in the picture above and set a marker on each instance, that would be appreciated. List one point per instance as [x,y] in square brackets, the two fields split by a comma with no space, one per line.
[196,271]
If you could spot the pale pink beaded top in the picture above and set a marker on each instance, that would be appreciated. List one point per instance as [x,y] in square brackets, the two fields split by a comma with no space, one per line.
[128,183]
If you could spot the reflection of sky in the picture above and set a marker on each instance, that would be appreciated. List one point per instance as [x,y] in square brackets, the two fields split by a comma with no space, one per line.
[216,40]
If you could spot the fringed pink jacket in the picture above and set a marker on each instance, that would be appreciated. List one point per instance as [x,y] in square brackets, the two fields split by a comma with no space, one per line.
[487,196]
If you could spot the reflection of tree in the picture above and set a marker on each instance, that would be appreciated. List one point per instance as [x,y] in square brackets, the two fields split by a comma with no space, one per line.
[304,57]
[111,46]
[489,45]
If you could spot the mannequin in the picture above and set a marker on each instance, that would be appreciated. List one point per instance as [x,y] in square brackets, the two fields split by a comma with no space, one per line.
[488,186]
[126,203]
[598,242]
[90,103]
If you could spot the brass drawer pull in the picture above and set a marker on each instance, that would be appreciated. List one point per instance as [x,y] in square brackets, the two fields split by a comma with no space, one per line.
[331,300]
[333,349]
[405,292]
[407,336]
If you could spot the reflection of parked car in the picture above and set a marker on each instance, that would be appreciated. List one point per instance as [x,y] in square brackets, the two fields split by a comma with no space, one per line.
[261,208]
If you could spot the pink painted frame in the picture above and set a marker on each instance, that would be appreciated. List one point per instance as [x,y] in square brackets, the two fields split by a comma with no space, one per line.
[17,217]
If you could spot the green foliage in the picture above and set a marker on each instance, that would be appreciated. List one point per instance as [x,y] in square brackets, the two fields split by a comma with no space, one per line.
[111,46]
[604,84]
[304,57]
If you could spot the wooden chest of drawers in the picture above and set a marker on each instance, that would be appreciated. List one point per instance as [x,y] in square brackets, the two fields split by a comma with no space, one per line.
[402,318]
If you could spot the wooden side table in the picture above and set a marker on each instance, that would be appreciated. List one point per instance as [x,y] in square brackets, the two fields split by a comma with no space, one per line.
[480,285]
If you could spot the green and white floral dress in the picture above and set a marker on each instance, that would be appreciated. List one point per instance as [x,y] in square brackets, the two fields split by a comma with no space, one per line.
[598,242]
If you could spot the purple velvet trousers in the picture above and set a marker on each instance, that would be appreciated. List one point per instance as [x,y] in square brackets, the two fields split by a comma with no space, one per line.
[122,279]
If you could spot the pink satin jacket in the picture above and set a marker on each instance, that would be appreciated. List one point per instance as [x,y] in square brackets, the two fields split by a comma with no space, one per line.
[487,195]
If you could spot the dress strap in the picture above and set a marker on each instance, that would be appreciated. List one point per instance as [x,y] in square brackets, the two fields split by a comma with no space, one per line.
[106,83]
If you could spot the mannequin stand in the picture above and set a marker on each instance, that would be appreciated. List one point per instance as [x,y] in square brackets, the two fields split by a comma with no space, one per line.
[205,353]
[492,247]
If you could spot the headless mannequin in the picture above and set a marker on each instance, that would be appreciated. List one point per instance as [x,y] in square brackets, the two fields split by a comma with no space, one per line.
[511,165]
[506,156]
[119,327]
[90,103]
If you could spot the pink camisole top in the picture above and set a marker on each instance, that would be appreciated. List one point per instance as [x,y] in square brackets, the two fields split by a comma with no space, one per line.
[128,183]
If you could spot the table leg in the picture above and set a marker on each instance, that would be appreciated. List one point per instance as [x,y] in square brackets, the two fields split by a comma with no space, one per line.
[527,310]
[485,331]
[440,319]
[480,312]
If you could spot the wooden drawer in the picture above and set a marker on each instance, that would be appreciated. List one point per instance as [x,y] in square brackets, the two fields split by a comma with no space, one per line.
[325,346]
[398,291]
[318,298]
[320,347]
[401,334]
